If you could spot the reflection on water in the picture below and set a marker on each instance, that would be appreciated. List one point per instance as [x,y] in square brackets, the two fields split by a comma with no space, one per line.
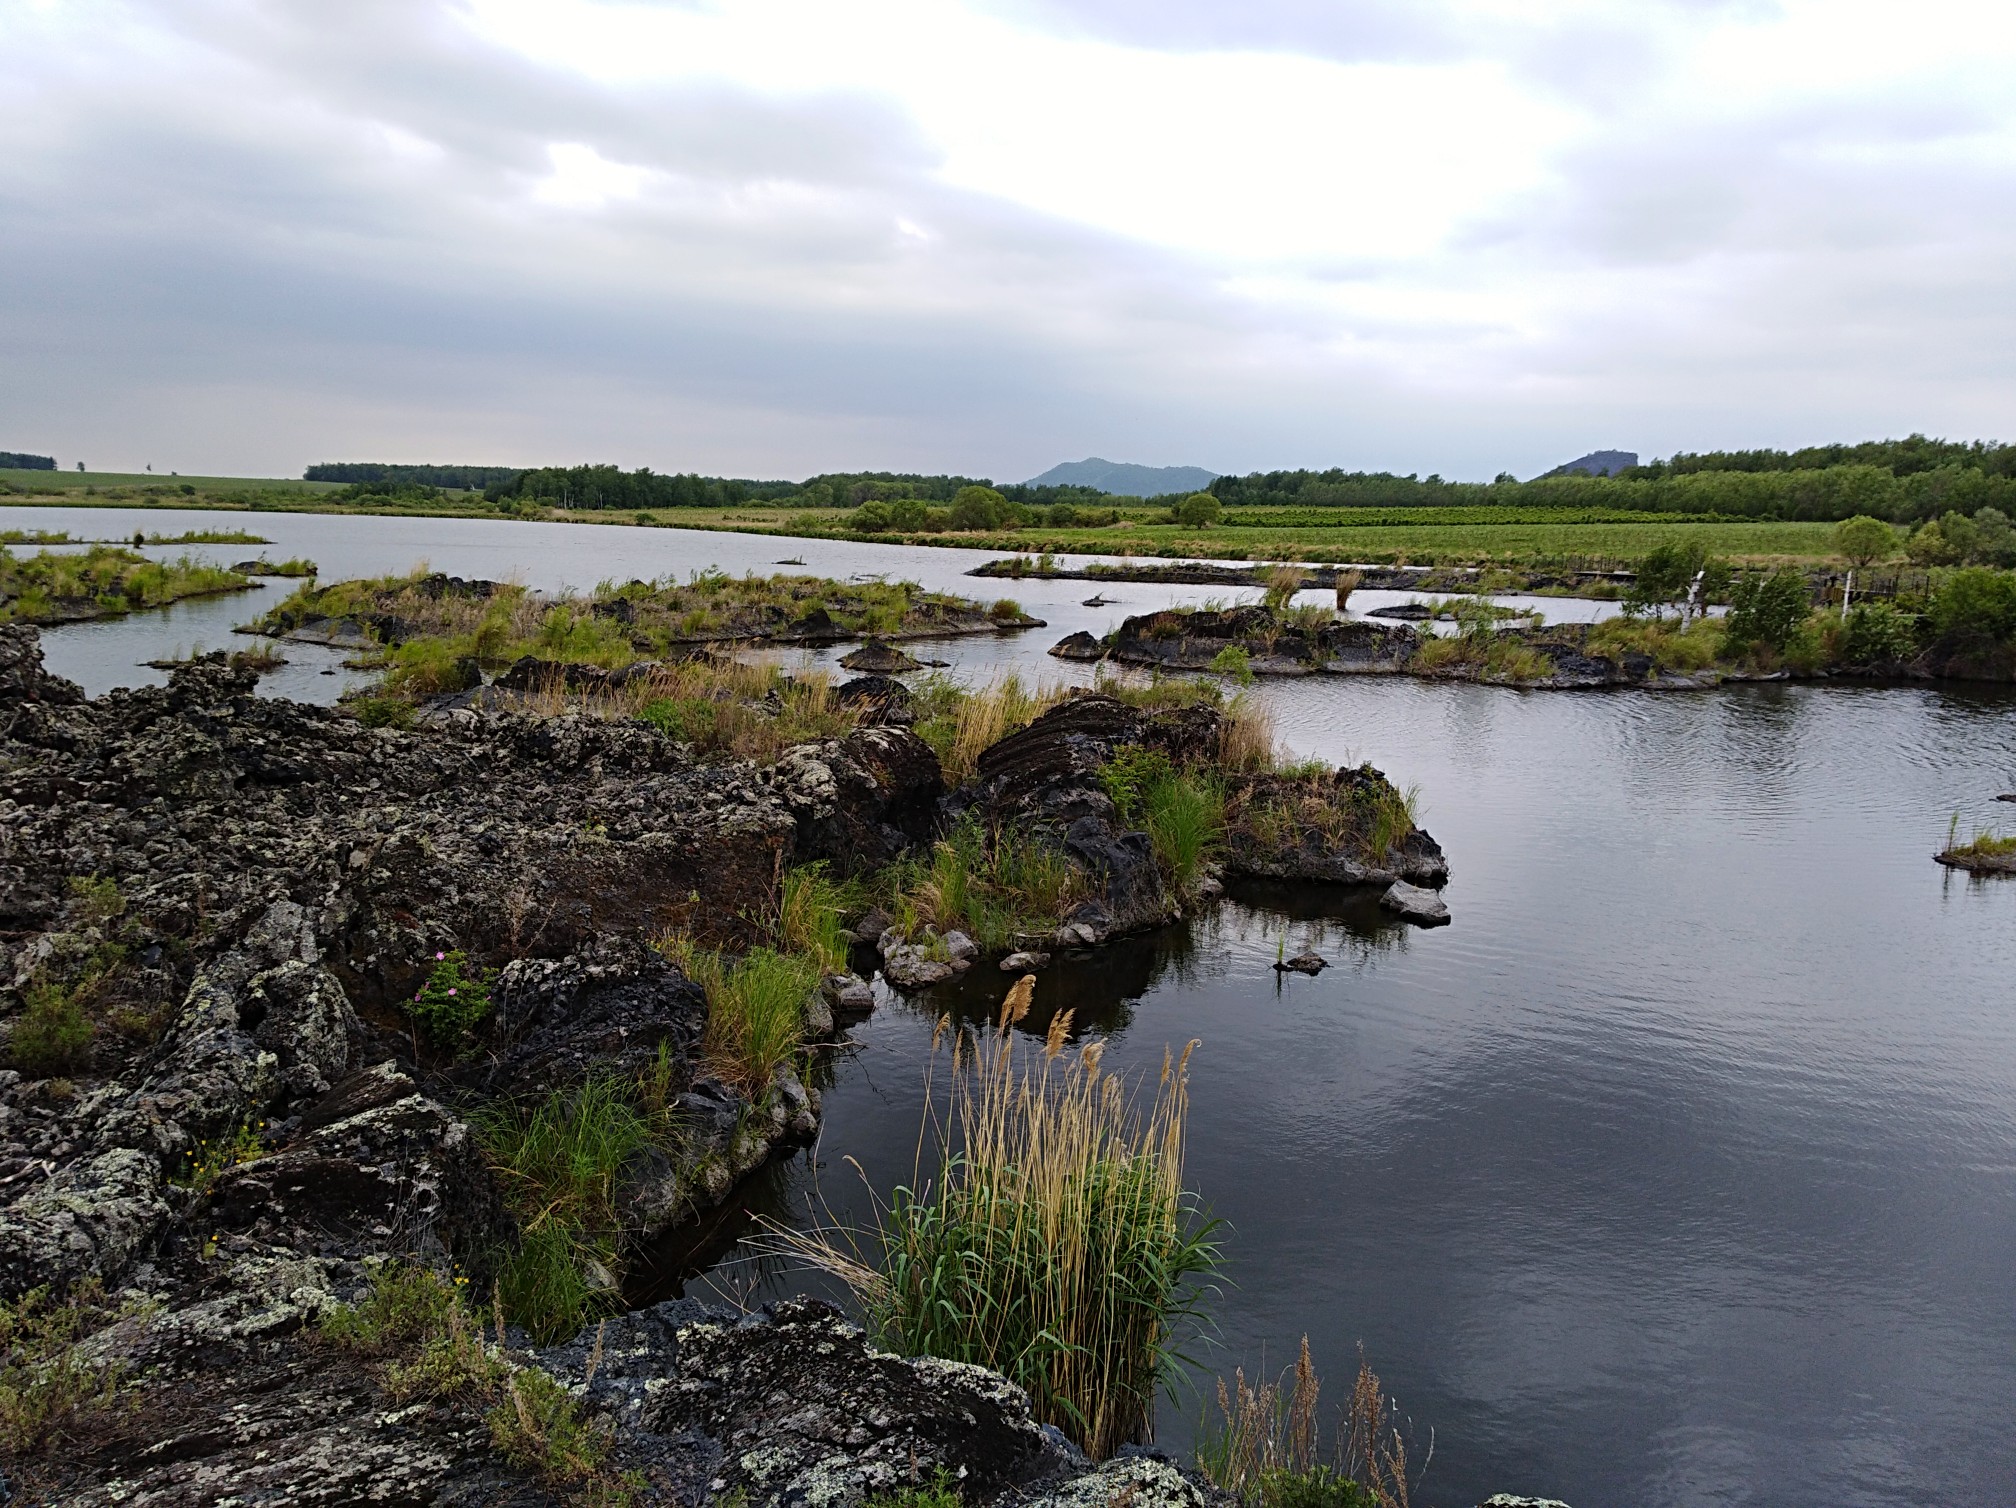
[1680,1169]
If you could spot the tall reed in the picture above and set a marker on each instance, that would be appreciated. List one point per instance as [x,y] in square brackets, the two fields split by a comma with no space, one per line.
[1266,1449]
[1053,1242]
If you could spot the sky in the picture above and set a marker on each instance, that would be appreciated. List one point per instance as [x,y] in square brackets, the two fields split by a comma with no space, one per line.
[776,237]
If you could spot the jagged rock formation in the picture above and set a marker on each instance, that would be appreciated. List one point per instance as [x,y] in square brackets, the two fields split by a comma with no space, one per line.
[252,890]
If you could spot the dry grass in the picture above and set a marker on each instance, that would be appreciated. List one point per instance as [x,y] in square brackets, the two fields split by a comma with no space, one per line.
[1246,739]
[1347,583]
[1282,583]
[965,724]
[1267,1448]
[1052,1241]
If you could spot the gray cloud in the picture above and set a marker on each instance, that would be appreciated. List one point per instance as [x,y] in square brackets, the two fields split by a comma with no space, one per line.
[254,235]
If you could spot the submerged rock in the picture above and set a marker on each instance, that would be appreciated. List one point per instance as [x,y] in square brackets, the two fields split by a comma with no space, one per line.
[1026,961]
[1416,904]
[1303,963]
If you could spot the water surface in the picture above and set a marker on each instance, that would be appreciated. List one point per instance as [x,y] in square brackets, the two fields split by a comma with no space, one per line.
[1681,1169]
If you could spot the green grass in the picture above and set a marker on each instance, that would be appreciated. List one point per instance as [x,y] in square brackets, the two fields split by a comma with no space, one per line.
[992,886]
[1182,812]
[755,1010]
[1051,1241]
[557,1161]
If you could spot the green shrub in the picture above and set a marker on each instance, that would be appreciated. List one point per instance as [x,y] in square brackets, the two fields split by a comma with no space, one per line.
[1199,510]
[1974,609]
[453,1001]
[1313,1487]
[52,1035]
[382,711]
[405,1306]
[1767,611]
[207,1161]
[1877,634]
[538,1427]
[1234,663]
[942,1491]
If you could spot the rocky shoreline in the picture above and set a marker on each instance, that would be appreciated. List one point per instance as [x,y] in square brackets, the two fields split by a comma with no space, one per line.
[1263,642]
[241,895]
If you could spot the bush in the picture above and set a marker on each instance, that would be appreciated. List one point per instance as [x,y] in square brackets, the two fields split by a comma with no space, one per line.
[45,1387]
[453,1001]
[1767,610]
[870,518]
[1200,510]
[53,1035]
[1877,634]
[382,711]
[1974,609]
[1234,663]
[406,1306]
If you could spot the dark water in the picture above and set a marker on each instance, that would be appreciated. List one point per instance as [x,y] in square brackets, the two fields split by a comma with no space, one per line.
[1681,1169]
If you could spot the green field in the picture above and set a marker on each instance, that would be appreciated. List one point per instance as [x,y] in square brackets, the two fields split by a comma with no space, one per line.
[1527,537]
[1575,538]
[148,486]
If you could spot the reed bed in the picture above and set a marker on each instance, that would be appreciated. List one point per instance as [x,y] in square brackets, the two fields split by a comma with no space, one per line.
[1053,1240]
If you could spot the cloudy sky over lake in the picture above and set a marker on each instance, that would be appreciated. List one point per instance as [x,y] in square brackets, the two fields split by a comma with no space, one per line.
[771,237]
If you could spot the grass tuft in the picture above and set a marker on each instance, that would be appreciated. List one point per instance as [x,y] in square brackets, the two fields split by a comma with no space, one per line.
[1053,1241]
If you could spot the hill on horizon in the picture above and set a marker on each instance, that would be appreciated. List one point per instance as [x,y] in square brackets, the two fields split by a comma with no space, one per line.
[1597,463]
[1124,478]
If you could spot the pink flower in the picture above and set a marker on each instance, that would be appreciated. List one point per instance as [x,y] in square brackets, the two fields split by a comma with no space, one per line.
[451,992]
[439,956]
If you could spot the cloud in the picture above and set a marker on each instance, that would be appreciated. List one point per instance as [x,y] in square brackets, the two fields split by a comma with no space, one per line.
[772,236]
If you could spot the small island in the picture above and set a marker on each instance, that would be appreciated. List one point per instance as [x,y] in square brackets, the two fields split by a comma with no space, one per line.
[104,581]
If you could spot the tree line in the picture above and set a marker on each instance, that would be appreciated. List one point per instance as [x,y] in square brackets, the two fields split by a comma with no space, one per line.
[467,478]
[14,460]
[1911,481]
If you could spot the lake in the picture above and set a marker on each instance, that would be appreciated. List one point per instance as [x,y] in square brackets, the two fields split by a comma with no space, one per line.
[1681,1169]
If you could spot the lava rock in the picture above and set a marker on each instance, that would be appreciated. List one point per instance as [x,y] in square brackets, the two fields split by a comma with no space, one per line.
[1421,906]
[878,658]
[1303,963]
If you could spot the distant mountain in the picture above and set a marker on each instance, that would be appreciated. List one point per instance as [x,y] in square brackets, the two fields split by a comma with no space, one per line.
[1124,479]
[1598,463]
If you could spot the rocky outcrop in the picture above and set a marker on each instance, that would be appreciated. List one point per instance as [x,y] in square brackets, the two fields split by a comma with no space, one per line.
[878,658]
[859,802]
[237,1402]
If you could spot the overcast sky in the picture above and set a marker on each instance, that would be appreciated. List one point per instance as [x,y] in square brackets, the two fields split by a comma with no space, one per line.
[773,237]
